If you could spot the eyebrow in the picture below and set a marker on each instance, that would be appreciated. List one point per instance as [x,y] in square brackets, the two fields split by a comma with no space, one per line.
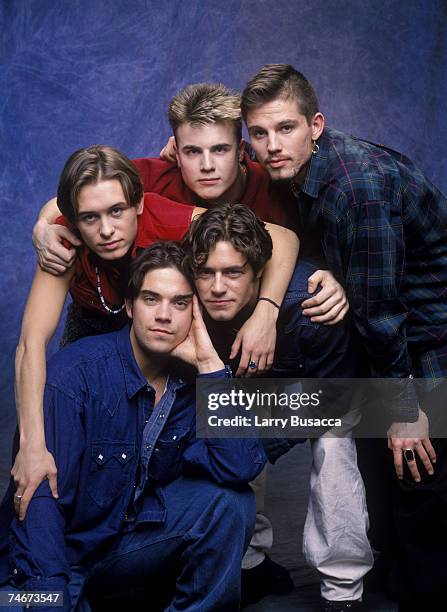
[181,296]
[214,146]
[280,124]
[228,268]
[190,146]
[287,122]
[95,212]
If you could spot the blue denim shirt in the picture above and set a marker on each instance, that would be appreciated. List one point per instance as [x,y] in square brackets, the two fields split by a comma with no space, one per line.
[114,451]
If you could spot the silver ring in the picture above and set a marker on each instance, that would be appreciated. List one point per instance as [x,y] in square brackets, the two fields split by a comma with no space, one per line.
[409,454]
[252,365]
[17,497]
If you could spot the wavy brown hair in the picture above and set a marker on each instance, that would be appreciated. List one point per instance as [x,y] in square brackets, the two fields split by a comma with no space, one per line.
[233,223]
[160,255]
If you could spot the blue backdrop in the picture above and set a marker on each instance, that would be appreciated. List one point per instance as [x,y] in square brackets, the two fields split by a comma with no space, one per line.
[85,72]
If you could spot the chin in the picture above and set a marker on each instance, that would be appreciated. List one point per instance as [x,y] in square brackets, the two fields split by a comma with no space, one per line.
[282,175]
[113,255]
[160,348]
[209,195]
[219,315]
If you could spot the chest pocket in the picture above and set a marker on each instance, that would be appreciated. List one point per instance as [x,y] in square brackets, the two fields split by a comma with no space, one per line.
[110,472]
[166,461]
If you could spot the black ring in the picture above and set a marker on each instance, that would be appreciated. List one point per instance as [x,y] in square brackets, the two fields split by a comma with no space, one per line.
[252,365]
[409,454]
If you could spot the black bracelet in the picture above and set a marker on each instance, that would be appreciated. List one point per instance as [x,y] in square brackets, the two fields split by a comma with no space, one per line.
[268,300]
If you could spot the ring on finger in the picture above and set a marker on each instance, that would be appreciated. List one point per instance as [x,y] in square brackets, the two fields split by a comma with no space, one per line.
[409,454]
[252,365]
[17,498]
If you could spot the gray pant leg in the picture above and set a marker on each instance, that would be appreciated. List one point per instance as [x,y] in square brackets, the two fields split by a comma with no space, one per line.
[335,533]
[262,539]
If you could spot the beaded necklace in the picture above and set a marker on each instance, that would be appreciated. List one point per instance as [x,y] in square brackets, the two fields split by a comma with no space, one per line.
[101,296]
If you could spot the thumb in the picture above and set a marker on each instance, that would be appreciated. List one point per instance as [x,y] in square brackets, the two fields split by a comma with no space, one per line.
[313,281]
[52,482]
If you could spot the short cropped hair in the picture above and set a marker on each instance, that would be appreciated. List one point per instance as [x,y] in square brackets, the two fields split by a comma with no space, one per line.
[90,165]
[233,223]
[160,255]
[204,104]
[280,81]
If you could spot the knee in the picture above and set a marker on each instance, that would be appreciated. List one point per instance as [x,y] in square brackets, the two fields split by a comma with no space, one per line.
[238,506]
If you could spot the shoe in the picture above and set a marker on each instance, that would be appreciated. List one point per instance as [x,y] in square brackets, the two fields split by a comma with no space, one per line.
[336,606]
[264,579]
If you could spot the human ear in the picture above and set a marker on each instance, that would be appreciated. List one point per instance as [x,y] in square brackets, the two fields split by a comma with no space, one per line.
[317,125]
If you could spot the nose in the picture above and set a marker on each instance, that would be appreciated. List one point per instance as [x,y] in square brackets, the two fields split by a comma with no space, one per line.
[106,228]
[218,286]
[206,162]
[163,313]
[273,144]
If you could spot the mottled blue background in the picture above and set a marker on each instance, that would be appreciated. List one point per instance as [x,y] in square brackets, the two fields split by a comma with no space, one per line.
[97,71]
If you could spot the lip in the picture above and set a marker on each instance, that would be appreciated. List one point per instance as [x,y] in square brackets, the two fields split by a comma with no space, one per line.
[278,162]
[209,182]
[110,246]
[156,330]
[219,303]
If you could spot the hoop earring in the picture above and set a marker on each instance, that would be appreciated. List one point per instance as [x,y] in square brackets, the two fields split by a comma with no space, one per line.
[315,147]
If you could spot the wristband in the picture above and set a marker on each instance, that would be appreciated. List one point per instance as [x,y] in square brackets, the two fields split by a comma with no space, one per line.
[266,299]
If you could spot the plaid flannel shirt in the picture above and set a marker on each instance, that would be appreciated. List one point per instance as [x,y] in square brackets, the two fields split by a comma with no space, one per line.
[383,229]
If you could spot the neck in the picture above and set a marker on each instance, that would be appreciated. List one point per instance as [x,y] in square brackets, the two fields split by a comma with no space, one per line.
[234,324]
[233,195]
[153,366]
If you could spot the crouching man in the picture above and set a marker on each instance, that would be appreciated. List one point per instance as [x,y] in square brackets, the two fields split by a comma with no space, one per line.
[140,498]
[227,248]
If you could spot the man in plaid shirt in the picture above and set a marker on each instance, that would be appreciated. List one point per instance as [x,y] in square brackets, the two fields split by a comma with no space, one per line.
[382,227]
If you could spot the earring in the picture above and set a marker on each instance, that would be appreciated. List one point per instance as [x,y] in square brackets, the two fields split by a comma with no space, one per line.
[315,147]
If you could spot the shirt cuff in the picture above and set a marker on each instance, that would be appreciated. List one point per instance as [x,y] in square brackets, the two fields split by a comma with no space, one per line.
[223,373]
[405,405]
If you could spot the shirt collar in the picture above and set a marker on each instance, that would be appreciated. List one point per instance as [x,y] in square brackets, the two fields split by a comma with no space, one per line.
[135,381]
[317,167]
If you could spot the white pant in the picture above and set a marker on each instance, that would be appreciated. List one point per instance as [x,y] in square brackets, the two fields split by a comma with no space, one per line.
[335,538]
[335,533]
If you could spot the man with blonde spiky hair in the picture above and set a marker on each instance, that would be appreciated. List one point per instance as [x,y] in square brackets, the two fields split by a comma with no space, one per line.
[205,103]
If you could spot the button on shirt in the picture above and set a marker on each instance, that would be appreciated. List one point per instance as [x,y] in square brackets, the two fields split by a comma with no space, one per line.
[114,451]
[382,226]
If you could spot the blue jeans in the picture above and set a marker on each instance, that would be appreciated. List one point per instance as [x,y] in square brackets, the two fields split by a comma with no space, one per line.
[200,547]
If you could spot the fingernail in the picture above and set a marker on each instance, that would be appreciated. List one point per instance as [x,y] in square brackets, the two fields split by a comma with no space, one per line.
[430,472]
[417,480]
